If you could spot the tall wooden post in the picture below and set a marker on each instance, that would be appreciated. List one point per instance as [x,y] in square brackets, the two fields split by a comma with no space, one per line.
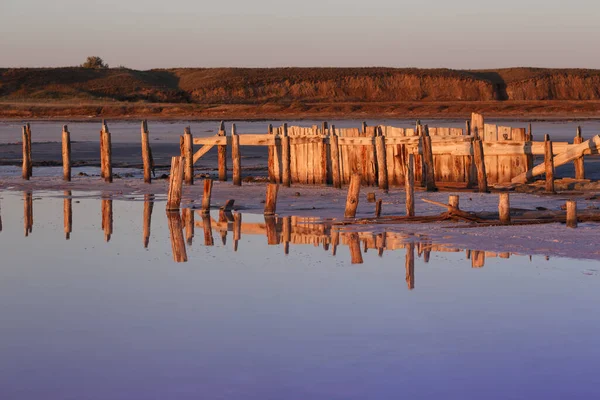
[571,214]
[146,153]
[188,145]
[579,166]
[175,184]
[68,214]
[480,164]
[428,160]
[477,125]
[382,172]
[271,156]
[335,159]
[236,157]
[30,164]
[409,185]
[286,173]
[504,208]
[26,153]
[106,149]
[352,199]
[222,155]
[148,207]
[66,153]
[271,199]
[208,183]
[549,164]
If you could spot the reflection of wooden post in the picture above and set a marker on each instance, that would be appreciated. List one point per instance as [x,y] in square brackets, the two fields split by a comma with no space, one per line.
[175,184]
[66,153]
[176,233]
[26,154]
[146,153]
[477,259]
[286,173]
[208,183]
[378,208]
[380,243]
[107,218]
[223,220]
[504,208]
[549,163]
[187,214]
[454,201]
[106,149]
[271,228]
[382,171]
[28,212]
[188,144]
[479,159]
[579,166]
[222,155]
[410,266]
[271,199]
[354,245]
[409,186]
[68,214]
[335,159]
[335,241]
[352,199]
[236,157]
[571,214]
[207,227]
[287,234]
[148,207]
[237,229]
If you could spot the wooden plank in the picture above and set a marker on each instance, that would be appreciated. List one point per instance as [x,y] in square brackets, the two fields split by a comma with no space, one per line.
[504,162]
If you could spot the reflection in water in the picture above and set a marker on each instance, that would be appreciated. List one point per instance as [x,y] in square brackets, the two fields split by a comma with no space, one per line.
[107,218]
[410,266]
[148,207]
[28,212]
[206,226]
[188,217]
[176,233]
[68,214]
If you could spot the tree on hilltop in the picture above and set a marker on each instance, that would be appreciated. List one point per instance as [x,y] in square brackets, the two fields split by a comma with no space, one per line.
[94,62]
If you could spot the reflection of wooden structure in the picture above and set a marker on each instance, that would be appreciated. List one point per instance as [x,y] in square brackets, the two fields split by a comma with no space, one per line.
[28,212]
[176,233]
[148,207]
[68,214]
[107,218]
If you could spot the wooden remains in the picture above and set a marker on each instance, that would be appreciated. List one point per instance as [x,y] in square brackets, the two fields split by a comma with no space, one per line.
[188,148]
[66,153]
[504,208]
[549,164]
[271,199]
[236,157]
[571,214]
[146,152]
[578,162]
[352,199]
[175,184]
[208,183]
[222,155]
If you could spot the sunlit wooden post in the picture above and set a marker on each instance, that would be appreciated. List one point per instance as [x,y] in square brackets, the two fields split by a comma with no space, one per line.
[352,199]
[146,157]
[382,172]
[271,199]
[571,214]
[66,153]
[479,159]
[206,195]
[26,153]
[188,145]
[410,185]
[175,184]
[579,165]
[335,159]
[286,172]
[428,160]
[454,201]
[549,164]
[106,149]
[504,208]
[30,149]
[236,157]
[222,154]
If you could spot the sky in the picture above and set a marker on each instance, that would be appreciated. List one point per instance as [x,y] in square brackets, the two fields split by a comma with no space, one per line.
[144,34]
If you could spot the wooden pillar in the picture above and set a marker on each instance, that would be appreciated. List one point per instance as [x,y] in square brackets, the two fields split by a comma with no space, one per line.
[428,160]
[410,266]
[382,172]
[286,172]
[477,125]
[68,214]
[222,155]
[364,127]
[176,235]
[237,230]
[579,166]
[30,164]
[409,185]
[335,159]
[106,149]
[271,199]
[354,246]
[454,201]
[571,214]
[352,199]
[146,157]
[236,157]
[148,207]
[208,183]
[26,153]
[66,153]
[175,184]
[271,156]
[188,147]
[504,208]
[480,164]
[549,164]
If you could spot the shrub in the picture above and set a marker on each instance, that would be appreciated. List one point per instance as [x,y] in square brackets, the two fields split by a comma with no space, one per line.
[94,62]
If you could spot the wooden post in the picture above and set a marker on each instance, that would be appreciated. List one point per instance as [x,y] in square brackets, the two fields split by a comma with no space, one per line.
[335,159]
[188,146]
[106,148]
[477,125]
[271,199]
[409,185]
[428,160]
[364,127]
[286,173]
[579,166]
[468,128]
[410,266]
[148,207]
[352,199]
[504,208]
[66,153]
[354,246]
[176,234]
[378,208]
[30,164]
[237,230]
[146,153]
[222,155]
[208,183]
[175,184]
[454,201]
[549,164]
[68,214]
[236,157]
[571,214]
[530,133]
[26,153]
[382,172]
[480,164]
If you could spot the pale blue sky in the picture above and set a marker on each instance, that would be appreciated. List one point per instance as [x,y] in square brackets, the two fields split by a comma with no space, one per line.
[145,34]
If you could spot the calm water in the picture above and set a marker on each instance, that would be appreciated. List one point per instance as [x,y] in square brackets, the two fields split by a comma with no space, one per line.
[87,318]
